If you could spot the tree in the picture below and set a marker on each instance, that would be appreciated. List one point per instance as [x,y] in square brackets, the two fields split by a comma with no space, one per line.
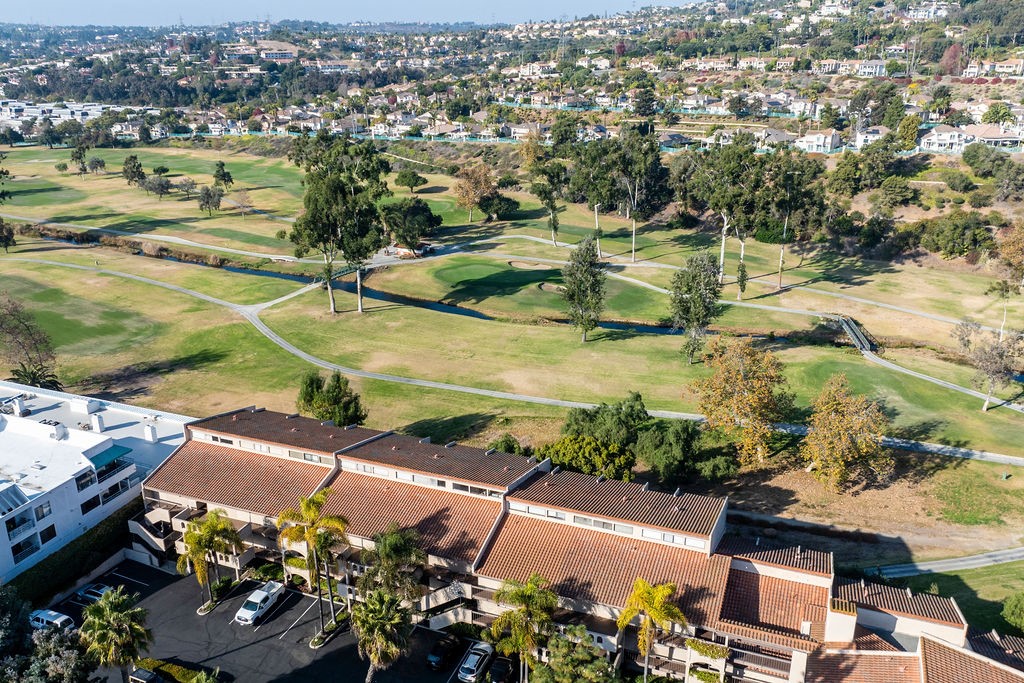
[410,220]
[653,604]
[306,524]
[7,239]
[78,158]
[588,455]
[744,396]
[907,131]
[57,656]
[524,628]
[548,197]
[741,280]
[950,61]
[188,186]
[36,375]
[1010,183]
[97,165]
[244,202]
[161,170]
[474,183]
[584,281]
[196,558]
[222,177]
[204,540]
[114,630]
[497,206]
[14,624]
[993,354]
[1013,610]
[1011,251]
[382,627]
[998,112]
[618,423]
[343,183]
[1003,290]
[693,300]
[409,178]
[132,170]
[393,561]
[844,438]
[896,191]
[877,161]
[737,104]
[644,104]
[210,198]
[643,178]
[829,116]
[23,342]
[531,152]
[158,185]
[573,658]
[985,161]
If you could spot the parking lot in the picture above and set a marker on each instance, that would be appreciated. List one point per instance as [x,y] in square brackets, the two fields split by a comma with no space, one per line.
[274,650]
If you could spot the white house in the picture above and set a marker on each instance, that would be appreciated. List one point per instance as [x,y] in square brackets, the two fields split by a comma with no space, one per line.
[825,141]
[943,138]
[869,135]
[66,463]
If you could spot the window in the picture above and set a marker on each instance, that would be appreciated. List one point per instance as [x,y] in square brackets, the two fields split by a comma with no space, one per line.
[441,483]
[556,514]
[261,447]
[405,476]
[623,529]
[601,524]
[460,487]
[48,534]
[653,535]
[695,543]
[583,521]
[43,511]
[90,504]
[518,507]
[309,457]
[85,480]
[223,440]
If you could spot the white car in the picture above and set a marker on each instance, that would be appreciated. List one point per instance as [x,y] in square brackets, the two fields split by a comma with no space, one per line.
[92,592]
[258,602]
[47,618]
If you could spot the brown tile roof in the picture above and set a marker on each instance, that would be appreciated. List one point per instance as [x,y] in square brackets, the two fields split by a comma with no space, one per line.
[1008,650]
[450,525]
[848,667]
[473,465]
[944,663]
[775,603]
[600,567]
[788,556]
[298,432]
[762,634]
[863,639]
[898,600]
[262,484]
[688,513]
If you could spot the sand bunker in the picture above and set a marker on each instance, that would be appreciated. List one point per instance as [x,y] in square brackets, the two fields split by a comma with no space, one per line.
[523,265]
[548,287]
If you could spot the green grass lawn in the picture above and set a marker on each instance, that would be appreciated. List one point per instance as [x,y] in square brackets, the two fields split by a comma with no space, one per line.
[978,592]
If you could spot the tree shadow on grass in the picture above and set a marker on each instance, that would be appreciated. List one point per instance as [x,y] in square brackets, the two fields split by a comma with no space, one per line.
[502,283]
[450,428]
[430,189]
[135,380]
[35,190]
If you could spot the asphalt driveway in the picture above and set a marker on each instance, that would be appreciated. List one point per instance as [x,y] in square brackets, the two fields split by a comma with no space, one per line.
[275,650]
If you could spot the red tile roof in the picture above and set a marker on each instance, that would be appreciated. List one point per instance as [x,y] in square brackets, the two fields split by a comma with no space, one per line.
[463,463]
[944,663]
[1007,650]
[450,525]
[898,601]
[847,667]
[771,602]
[225,476]
[600,567]
[788,556]
[297,432]
[688,513]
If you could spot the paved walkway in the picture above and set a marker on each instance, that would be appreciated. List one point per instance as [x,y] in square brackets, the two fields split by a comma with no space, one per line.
[251,313]
[956,564]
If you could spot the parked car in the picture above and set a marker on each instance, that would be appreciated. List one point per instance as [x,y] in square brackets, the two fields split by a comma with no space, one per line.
[144,676]
[258,602]
[443,652]
[504,671]
[92,592]
[476,662]
[47,618]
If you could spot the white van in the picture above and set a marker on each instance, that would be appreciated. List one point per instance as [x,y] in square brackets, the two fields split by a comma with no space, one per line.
[47,618]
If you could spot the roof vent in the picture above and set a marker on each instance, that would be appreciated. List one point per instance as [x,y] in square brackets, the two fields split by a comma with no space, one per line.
[425,439]
[677,508]
[330,436]
[798,551]
[295,429]
[348,427]
[600,479]
[327,423]
[547,483]
[234,418]
[505,468]
[757,541]
[625,499]
[38,466]
[676,494]
[490,451]
[394,448]
[258,410]
[438,456]
[291,417]
[647,486]
[558,468]
[910,593]
[449,444]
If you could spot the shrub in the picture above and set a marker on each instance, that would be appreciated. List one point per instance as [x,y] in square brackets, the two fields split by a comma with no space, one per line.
[979,199]
[958,181]
[175,673]
[1013,610]
[295,562]
[269,572]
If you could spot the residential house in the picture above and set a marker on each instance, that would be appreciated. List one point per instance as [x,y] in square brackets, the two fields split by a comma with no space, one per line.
[994,135]
[825,141]
[868,135]
[943,138]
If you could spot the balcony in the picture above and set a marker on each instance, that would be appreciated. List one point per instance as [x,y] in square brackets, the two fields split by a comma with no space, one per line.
[19,556]
[22,527]
[114,468]
[159,535]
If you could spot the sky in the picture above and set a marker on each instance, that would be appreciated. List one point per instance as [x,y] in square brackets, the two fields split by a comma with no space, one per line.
[205,12]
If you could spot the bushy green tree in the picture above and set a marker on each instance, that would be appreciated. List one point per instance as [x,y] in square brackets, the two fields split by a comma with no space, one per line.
[409,178]
[619,423]
[410,220]
[498,206]
[845,179]
[590,456]
[693,299]
[985,161]
[1013,610]
[573,658]
[584,286]
[332,400]
[132,170]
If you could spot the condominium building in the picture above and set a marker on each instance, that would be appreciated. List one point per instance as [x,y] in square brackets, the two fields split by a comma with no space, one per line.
[778,612]
[66,463]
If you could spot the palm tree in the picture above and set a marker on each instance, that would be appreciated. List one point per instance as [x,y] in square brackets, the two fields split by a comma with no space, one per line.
[196,557]
[522,629]
[36,375]
[393,561]
[114,630]
[224,537]
[305,524]
[382,629]
[656,610]
[203,540]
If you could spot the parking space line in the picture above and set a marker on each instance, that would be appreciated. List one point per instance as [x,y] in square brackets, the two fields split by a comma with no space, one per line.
[266,617]
[128,578]
[297,620]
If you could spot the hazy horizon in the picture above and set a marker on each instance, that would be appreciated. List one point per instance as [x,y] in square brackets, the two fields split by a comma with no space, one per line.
[198,13]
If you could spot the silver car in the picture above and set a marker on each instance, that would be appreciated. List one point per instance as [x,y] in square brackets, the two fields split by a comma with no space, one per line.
[476,662]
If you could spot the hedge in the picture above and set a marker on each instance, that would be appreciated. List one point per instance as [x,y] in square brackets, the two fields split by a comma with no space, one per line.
[61,570]
[170,672]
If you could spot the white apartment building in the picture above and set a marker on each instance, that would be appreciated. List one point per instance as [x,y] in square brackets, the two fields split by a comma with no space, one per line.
[66,463]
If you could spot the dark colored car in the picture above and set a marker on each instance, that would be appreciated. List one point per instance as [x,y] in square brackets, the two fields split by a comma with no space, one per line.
[504,670]
[475,663]
[443,652]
